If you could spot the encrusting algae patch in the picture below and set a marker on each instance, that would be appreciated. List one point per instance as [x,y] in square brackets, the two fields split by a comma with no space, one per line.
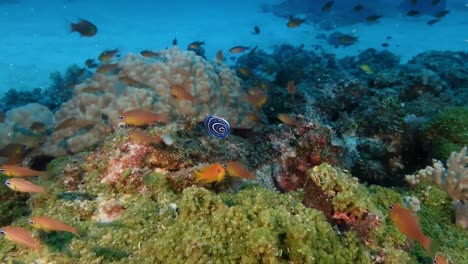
[156,223]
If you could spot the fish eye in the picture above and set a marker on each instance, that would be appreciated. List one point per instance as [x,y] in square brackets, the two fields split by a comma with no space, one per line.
[170,86]
[7,182]
[121,117]
[391,207]
[31,222]
[2,170]
[2,232]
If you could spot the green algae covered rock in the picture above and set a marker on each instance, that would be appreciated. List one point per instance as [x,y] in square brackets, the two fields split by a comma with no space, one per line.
[197,225]
[447,132]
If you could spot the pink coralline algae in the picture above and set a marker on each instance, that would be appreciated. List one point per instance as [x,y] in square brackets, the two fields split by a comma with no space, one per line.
[125,166]
[362,225]
[312,149]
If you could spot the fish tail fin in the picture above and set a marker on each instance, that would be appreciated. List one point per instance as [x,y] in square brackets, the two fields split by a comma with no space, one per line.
[428,245]
[69,26]
[74,231]
[433,247]
[42,173]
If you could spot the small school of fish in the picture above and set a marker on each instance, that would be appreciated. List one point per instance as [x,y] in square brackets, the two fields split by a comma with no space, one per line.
[21,236]
[216,172]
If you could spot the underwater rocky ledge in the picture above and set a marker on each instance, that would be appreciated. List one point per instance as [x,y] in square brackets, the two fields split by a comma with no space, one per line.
[135,200]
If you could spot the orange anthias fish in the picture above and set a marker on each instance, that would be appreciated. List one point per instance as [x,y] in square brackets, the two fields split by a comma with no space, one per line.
[257,97]
[20,236]
[288,120]
[141,137]
[238,49]
[149,54]
[295,22]
[236,169]
[181,93]
[108,55]
[21,185]
[291,87]
[141,117]
[50,224]
[407,223]
[17,171]
[210,173]
[439,259]
[219,55]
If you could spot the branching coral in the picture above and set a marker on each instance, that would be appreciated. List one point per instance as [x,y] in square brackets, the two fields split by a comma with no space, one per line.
[453,179]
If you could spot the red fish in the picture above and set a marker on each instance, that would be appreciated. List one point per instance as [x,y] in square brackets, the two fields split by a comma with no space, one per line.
[408,224]
[20,236]
[17,171]
[141,117]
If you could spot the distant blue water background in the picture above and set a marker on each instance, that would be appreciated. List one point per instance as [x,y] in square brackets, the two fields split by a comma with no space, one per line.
[36,40]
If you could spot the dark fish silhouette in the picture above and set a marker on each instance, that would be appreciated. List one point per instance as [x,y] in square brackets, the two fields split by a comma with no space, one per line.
[432,21]
[358,8]
[442,13]
[256,30]
[84,27]
[373,18]
[412,13]
[327,6]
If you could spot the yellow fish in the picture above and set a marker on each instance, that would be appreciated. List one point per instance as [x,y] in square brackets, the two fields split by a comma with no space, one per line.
[365,68]
[210,173]
[21,185]
[50,224]
[20,236]
[17,171]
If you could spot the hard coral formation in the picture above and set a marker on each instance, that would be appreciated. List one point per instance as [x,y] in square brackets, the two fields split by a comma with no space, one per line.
[453,179]
[18,125]
[100,99]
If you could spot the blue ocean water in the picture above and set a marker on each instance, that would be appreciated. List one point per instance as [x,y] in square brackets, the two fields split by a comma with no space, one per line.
[37,41]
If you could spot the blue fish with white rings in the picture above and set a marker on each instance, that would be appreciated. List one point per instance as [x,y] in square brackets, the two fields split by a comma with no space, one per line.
[217,126]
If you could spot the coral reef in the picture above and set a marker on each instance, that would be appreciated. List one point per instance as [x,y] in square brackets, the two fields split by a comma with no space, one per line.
[99,100]
[453,180]
[122,199]
[52,97]
[19,125]
[446,132]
